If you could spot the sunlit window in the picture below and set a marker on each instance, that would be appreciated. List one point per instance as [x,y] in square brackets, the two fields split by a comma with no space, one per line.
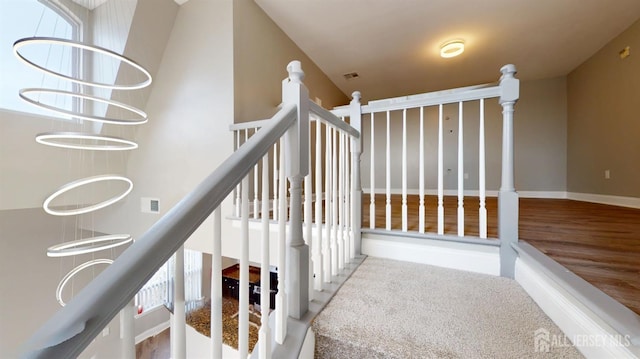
[27,18]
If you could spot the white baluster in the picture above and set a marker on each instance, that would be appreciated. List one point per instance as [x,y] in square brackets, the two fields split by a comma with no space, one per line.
[421,212]
[264,335]
[256,189]
[482,177]
[355,118]
[348,251]
[404,171]
[372,195]
[216,286]
[334,203]
[460,172]
[440,171]
[341,201]
[318,258]
[328,187]
[275,181]
[179,323]
[308,221]
[127,331]
[243,299]
[237,206]
[281,299]
[388,170]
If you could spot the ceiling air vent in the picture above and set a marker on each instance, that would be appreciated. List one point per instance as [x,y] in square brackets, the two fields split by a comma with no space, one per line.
[351,76]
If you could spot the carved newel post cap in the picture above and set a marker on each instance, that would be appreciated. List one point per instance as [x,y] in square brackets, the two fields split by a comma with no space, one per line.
[295,71]
[356,95]
[508,71]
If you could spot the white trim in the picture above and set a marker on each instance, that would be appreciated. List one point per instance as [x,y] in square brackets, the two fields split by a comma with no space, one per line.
[472,193]
[631,202]
[463,256]
[573,318]
[153,331]
[543,194]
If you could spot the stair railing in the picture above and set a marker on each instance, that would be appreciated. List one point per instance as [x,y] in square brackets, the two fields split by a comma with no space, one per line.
[69,331]
[408,165]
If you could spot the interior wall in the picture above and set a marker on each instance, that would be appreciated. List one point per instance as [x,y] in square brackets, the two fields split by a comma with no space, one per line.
[261,54]
[603,123]
[190,109]
[539,132]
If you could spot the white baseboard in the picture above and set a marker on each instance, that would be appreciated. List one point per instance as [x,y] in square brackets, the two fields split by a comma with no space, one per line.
[631,202]
[580,325]
[543,194]
[463,256]
[153,331]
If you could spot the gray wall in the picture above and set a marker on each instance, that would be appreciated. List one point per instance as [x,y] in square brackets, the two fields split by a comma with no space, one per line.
[540,142]
[603,125]
[261,53]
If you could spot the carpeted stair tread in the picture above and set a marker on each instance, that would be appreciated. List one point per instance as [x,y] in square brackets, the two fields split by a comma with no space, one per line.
[392,309]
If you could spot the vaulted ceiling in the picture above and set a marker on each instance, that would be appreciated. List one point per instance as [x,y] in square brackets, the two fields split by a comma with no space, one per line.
[393,45]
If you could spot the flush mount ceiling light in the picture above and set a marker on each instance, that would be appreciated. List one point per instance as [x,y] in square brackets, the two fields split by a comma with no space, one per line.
[451,48]
[30,41]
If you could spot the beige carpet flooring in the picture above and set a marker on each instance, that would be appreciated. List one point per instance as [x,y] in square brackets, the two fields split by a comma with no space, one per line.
[392,309]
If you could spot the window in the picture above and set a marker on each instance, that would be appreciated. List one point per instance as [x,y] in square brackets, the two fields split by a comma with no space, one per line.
[27,18]
[159,289]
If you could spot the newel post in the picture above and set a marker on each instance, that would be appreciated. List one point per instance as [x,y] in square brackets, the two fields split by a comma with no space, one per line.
[508,197]
[356,185]
[296,167]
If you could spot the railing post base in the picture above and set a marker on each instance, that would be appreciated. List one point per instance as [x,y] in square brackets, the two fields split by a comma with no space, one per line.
[507,231]
[298,281]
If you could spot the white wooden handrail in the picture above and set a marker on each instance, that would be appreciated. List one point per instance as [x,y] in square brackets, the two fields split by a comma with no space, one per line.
[332,119]
[67,333]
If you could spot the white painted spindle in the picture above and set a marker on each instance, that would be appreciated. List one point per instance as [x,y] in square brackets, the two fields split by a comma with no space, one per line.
[237,206]
[281,299]
[318,259]
[275,181]
[179,324]
[341,201]
[348,248]
[482,177]
[372,195]
[421,212]
[388,174]
[216,286]
[328,187]
[404,172]
[127,331]
[308,221]
[334,202]
[264,335]
[243,298]
[440,170]
[256,189]
[460,171]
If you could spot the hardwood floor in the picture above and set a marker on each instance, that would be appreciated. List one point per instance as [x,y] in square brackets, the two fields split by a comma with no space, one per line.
[597,242]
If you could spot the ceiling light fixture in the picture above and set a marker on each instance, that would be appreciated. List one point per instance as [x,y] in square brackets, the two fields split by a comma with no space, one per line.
[82,182]
[451,48]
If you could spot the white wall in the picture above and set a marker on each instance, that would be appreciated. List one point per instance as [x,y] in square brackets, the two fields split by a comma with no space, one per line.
[190,109]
